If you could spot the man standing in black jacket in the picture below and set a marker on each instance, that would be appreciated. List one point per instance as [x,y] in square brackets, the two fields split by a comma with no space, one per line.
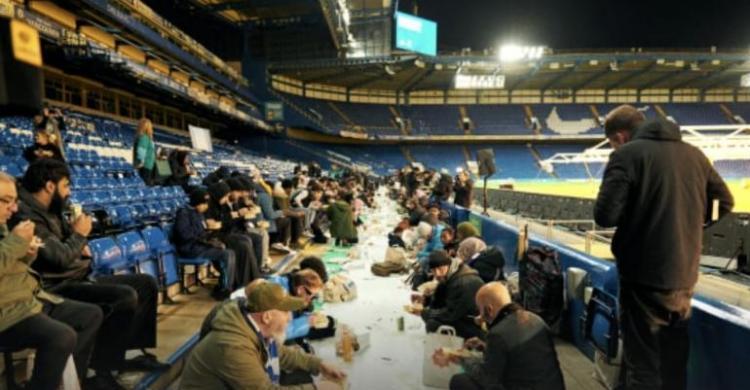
[659,192]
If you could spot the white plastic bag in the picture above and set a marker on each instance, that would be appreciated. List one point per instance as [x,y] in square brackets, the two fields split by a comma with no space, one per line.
[433,375]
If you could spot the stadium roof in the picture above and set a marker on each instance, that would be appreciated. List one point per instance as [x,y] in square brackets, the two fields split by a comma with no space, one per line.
[243,11]
[561,71]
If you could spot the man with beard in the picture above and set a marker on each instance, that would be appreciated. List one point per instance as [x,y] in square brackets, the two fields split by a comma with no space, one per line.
[242,344]
[128,301]
[32,318]
[453,302]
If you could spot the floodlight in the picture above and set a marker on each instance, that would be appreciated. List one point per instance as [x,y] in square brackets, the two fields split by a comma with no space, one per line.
[511,53]
[515,53]
[745,81]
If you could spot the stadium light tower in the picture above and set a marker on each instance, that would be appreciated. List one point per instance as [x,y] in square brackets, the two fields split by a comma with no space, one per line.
[516,53]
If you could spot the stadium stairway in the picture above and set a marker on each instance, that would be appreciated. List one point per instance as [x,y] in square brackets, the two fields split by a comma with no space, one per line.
[341,113]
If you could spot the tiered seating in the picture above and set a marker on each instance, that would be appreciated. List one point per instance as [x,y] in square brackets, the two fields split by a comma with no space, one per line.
[128,235]
[15,135]
[448,157]
[696,113]
[433,119]
[497,119]
[320,110]
[382,158]
[367,115]
[511,161]
[566,119]
[740,109]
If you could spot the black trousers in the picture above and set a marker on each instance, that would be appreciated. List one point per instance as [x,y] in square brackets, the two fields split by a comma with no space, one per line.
[225,261]
[257,240]
[57,332]
[129,306]
[147,175]
[298,227]
[654,325]
[283,231]
[247,264]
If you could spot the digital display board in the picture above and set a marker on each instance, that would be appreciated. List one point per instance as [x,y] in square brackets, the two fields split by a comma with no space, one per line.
[274,111]
[416,34]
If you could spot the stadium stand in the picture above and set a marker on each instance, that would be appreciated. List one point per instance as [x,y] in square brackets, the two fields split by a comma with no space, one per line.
[566,119]
[433,119]
[497,119]
[695,113]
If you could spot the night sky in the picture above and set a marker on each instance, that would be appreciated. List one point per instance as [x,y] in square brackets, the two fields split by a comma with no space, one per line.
[573,24]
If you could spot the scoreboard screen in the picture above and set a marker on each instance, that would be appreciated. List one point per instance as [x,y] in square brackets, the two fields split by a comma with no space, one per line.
[416,34]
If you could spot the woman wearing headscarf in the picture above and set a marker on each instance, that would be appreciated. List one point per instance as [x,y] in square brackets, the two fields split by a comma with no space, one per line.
[488,261]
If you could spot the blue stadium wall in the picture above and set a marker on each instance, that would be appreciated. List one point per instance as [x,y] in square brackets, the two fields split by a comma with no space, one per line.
[719,333]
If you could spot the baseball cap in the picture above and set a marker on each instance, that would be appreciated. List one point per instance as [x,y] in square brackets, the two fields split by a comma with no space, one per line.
[271,296]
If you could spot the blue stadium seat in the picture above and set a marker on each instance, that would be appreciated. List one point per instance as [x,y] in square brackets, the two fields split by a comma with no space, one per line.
[182,262]
[12,169]
[140,213]
[162,250]
[136,252]
[108,257]
[133,195]
[122,216]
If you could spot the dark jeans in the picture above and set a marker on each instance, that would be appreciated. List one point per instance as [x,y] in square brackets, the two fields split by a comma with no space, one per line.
[147,175]
[247,264]
[283,231]
[654,325]
[463,382]
[56,333]
[257,240]
[129,306]
[298,227]
[225,261]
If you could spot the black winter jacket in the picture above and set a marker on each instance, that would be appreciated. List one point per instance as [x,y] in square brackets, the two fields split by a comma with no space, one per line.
[454,303]
[658,191]
[60,257]
[520,354]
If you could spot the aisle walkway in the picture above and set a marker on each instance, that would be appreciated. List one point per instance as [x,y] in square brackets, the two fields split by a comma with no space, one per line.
[394,358]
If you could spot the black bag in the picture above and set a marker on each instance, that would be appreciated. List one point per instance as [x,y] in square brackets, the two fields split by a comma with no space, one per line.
[541,284]
[489,263]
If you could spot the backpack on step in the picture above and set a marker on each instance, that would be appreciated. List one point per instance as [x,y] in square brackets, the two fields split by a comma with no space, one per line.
[541,284]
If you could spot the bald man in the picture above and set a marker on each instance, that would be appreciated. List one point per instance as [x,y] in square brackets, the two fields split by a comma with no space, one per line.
[519,352]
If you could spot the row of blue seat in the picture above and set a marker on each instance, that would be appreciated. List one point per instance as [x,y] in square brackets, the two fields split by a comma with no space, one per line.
[147,251]
[131,195]
[92,172]
[139,214]
[107,182]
